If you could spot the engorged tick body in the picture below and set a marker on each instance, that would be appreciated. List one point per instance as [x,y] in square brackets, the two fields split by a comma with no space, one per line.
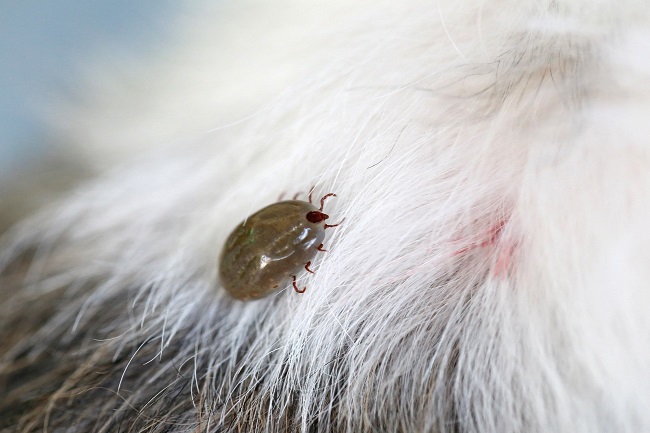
[272,246]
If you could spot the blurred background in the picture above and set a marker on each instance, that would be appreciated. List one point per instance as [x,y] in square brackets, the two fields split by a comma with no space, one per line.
[45,50]
[88,86]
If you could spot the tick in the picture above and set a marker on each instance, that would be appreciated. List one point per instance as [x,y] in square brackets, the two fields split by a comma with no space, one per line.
[271,246]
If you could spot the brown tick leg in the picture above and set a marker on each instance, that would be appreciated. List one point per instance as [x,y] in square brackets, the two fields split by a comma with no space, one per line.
[334,225]
[281,196]
[296,287]
[320,248]
[322,200]
[307,267]
[296,195]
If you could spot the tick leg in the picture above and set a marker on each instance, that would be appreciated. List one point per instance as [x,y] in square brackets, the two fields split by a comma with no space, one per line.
[296,195]
[296,287]
[281,196]
[320,248]
[311,191]
[322,200]
[334,225]
[307,267]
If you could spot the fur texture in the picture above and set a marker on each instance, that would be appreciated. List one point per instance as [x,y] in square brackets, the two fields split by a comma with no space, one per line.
[491,162]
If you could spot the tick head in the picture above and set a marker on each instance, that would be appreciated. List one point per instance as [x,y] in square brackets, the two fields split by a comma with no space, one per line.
[316,216]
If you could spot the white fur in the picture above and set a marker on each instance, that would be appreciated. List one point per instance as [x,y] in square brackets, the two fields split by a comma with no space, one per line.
[433,123]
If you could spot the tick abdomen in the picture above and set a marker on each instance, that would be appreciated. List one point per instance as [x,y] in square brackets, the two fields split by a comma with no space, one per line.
[270,246]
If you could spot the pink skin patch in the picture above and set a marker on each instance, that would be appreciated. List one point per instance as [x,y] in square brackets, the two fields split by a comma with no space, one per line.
[504,260]
[505,252]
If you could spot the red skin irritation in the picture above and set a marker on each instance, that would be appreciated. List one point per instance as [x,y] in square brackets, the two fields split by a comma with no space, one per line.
[506,249]
[504,260]
[491,238]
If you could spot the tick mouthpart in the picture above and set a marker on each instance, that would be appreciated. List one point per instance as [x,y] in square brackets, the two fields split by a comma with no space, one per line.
[316,216]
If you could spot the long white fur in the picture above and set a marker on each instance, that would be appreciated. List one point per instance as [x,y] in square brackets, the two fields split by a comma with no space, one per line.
[433,123]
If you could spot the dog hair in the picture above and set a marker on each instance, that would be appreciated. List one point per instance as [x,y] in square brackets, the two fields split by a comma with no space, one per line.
[491,163]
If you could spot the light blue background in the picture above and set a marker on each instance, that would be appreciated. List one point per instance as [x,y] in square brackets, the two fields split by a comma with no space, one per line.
[43,43]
